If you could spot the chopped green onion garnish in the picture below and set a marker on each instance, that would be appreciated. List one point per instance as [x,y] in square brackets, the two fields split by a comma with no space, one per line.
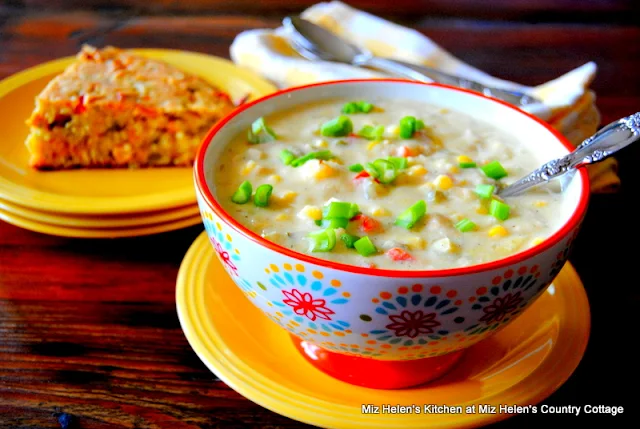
[287,156]
[400,162]
[263,193]
[337,214]
[357,107]
[494,170]
[243,194]
[409,125]
[364,107]
[468,165]
[353,210]
[260,132]
[350,108]
[356,168]
[485,191]
[349,239]
[387,171]
[301,160]
[412,215]
[365,247]
[372,170]
[337,209]
[465,225]
[323,241]
[499,210]
[323,155]
[370,132]
[338,127]
[338,222]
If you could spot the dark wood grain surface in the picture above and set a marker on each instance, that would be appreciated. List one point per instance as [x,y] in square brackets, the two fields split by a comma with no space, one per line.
[89,327]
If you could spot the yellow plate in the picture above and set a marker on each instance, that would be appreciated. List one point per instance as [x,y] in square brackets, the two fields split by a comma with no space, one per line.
[93,191]
[64,231]
[98,221]
[522,364]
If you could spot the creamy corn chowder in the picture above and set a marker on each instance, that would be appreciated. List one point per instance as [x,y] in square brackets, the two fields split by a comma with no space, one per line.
[391,184]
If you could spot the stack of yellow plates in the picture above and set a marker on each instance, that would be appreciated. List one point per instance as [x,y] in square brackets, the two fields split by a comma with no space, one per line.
[101,203]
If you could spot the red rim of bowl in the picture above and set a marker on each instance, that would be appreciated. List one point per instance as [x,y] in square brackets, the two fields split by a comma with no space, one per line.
[201,184]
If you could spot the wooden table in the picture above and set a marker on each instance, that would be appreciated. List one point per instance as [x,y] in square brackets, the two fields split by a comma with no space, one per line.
[89,327]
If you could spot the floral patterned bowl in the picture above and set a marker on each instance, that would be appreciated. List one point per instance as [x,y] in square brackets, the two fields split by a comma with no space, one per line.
[387,316]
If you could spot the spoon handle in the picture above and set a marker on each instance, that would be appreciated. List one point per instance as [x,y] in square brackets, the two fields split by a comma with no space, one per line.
[596,148]
[517,98]
[392,67]
[426,74]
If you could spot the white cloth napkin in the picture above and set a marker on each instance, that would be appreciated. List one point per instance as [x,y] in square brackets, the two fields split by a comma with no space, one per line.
[567,102]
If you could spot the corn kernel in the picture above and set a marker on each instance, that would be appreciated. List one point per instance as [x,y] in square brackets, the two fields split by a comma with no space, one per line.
[462,182]
[282,217]
[275,178]
[443,182]
[310,212]
[263,171]
[380,211]
[417,170]
[443,111]
[498,231]
[323,171]
[482,210]
[373,144]
[454,169]
[540,203]
[463,159]
[435,140]
[537,241]
[321,143]
[248,168]
[287,197]
[416,243]
[393,130]
[457,217]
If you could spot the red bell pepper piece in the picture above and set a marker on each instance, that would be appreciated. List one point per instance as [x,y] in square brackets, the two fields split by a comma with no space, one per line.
[367,224]
[398,254]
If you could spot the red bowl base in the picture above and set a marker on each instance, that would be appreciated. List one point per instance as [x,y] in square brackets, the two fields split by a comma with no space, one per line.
[373,373]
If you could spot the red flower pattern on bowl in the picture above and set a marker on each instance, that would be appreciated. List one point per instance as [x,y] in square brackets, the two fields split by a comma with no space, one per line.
[224,257]
[408,324]
[501,307]
[303,304]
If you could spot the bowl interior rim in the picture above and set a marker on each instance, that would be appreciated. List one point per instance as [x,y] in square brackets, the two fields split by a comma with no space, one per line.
[557,236]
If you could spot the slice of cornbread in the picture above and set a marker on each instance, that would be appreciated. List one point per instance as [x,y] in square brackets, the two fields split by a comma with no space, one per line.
[113,108]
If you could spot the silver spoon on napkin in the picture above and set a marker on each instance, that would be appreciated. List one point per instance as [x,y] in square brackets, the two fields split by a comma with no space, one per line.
[314,42]
[596,148]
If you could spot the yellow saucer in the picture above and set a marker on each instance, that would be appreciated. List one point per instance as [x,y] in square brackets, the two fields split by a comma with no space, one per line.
[522,364]
[102,191]
[100,221]
[64,231]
